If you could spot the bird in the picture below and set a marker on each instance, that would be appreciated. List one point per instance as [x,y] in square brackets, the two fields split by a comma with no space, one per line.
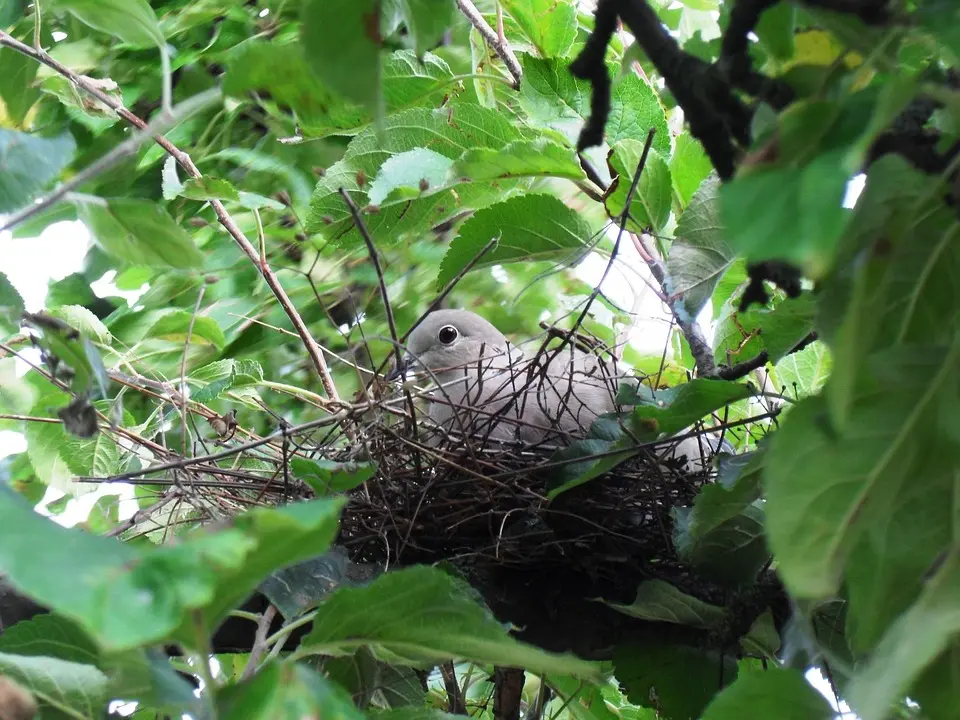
[491,390]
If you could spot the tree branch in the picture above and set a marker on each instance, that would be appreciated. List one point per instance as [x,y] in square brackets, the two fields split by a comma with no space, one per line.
[500,47]
[313,349]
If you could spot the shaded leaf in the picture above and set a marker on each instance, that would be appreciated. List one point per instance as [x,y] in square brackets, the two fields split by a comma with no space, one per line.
[11,306]
[352,65]
[176,324]
[659,601]
[675,680]
[28,163]
[522,158]
[427,21]
[327,477]
[743,335]
[699,255]
[140,232]
[58,685]
[421,614]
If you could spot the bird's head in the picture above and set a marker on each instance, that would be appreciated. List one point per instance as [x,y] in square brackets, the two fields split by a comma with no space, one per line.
[447,341]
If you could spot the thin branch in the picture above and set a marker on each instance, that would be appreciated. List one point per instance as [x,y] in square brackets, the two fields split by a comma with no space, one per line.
[313,349]
[260,644]
[735,372]
[456,704]
[502,49]
[121,152]
[699,347]
[183,366]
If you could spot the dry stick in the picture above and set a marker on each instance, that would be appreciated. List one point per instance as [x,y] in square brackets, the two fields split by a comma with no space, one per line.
[313,349]
[122,151]
[183,366]
[502,49]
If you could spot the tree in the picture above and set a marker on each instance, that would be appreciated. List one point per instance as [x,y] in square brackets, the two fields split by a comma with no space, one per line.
[296,183]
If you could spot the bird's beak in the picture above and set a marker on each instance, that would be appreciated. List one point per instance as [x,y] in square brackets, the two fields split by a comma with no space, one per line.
[407,362]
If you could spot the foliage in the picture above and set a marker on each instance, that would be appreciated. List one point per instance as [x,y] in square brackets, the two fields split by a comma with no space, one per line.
[238,228]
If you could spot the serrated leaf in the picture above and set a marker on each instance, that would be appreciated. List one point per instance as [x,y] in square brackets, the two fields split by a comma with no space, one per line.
[416,171]
[253,201]
[550,25]
[83,321]
[28,163]
[352,65]
[139,232]
[133,21]
[777,331]
[176,324]
[650,208]
[825,487]
[659,601]
[327,477]
[699,255]
[59,686]
[530,227]
[127,596]
[11,306]
[422,614]
[208,188]
[427,21]
[522,158]
[554,98]
[775,693]
[805,372]
[689,167]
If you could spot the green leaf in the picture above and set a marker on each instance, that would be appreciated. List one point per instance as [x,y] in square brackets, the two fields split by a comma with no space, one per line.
[584,702]
[286,690]
[530,227]
[17,73]
[350,66]
[912,644]
[776,693]
[659,601]
[676,680]
[327,477]
[127,596]
[553,98]
[83,321]
[427,21]
[47,444]
[450,133]
[11,306]
[410,172]
[10,12]
[699,255]
[421,614]
[792,214]
[28,163]
[208,188]
[689,167]
[139,232]
[523,158]
[730,551]
[550,25]
[825,487]
[175,325]
[133,21]
[51,635]
[804,373]
[776,29]
[59,686]
[650,208]
[218,377]
[253,201]
[743,335]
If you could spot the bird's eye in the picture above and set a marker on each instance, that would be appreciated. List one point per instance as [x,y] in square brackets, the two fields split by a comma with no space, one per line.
[448,334]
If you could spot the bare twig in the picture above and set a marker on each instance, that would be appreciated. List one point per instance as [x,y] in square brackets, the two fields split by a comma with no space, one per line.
[502,49]
[456,704]
[259,642]
[183,366]
[313,349]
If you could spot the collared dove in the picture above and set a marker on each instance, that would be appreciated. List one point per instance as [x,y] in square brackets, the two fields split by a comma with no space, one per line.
[489,389]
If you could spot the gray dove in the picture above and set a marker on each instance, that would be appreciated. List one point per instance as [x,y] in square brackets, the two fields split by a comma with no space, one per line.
[489,389]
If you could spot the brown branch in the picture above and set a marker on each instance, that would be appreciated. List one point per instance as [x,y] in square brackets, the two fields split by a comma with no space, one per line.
[735,372]
[183,159]
[501,48]
[508,694]
[259,642]
[456,703]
